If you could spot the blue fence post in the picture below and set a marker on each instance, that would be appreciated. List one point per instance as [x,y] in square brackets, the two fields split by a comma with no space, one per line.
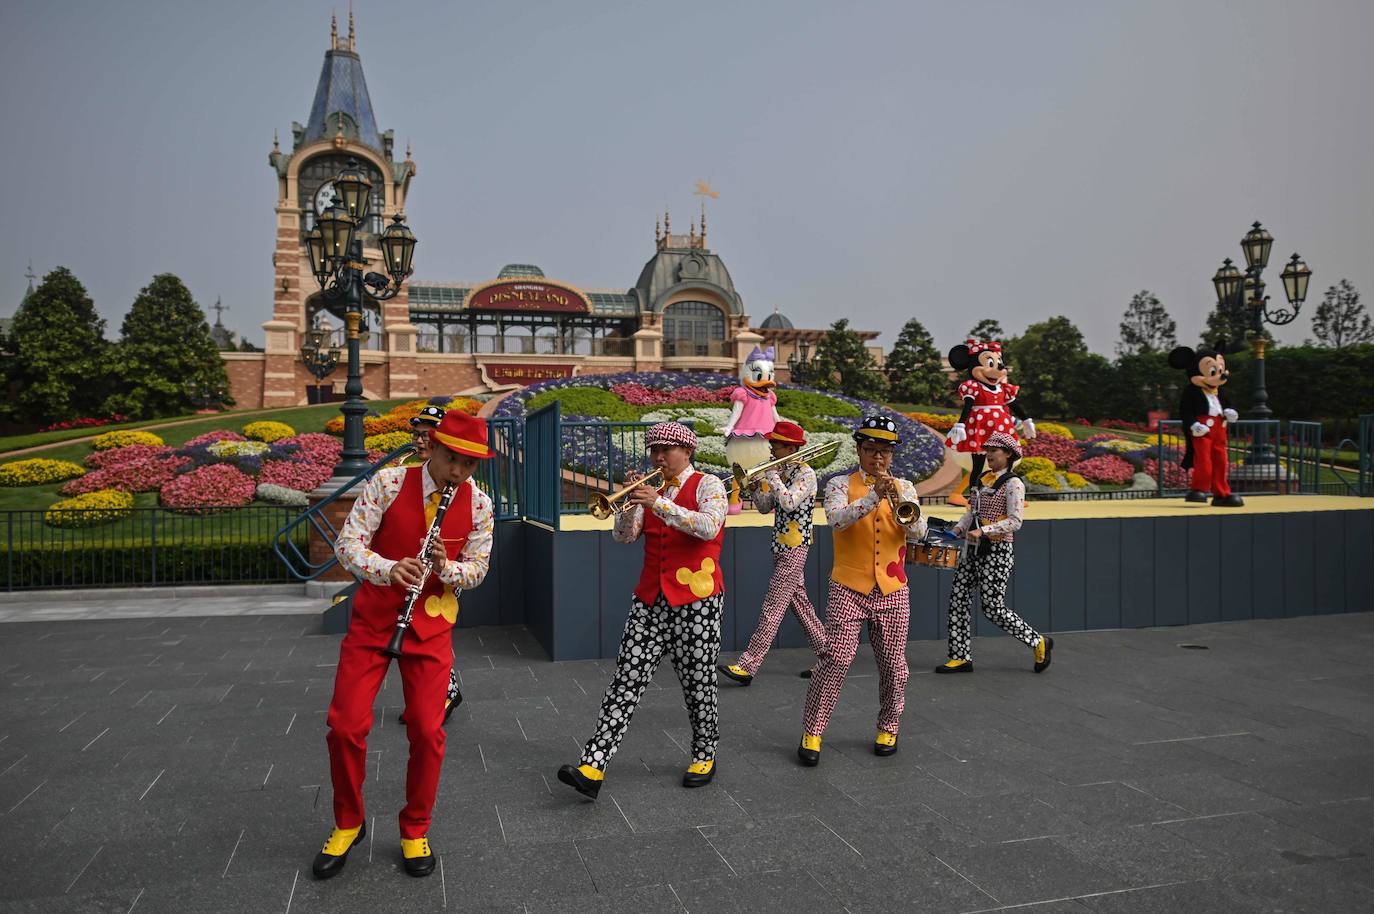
[543,464]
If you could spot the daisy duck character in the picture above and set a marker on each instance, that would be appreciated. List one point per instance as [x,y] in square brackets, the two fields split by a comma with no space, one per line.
[753,414]
[989,404]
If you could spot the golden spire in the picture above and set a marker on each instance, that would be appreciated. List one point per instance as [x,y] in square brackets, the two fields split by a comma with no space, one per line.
[352,43]
[333,31]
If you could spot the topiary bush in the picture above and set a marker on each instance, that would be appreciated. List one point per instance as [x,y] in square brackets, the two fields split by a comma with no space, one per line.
[103,506]
[268,431]
[124,439]
[38,471]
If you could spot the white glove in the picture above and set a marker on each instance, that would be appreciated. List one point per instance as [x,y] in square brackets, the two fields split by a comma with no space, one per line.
[1199,429]
[958,433]
[1230,414]
[1027,429]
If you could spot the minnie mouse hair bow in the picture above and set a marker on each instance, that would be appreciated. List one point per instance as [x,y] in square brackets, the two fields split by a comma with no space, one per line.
[977,346]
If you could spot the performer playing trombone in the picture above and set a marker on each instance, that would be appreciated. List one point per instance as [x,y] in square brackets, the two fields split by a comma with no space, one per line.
[786,486]
[874,515]
[378,543]
[676,605]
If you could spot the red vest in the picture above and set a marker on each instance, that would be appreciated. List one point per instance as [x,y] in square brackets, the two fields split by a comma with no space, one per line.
[400,535]
[681,566]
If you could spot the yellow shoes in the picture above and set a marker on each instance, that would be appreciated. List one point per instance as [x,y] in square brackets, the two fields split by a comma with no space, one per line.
[885,743]
[1044,648]
[955,666]
[699,774]
[585,779]
[330,861]
[737,673]
[810,750]
[419,860]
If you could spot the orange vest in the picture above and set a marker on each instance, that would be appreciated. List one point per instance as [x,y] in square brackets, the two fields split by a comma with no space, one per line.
[681,566]
[872,551]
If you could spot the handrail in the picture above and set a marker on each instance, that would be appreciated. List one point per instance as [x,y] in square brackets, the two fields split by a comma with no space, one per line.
[284,545]
[1331,464]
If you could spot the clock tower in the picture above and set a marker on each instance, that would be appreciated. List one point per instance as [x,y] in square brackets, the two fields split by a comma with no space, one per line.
[341,127]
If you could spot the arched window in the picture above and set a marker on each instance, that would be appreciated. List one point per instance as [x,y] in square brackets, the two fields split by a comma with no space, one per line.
[693,328]
[320,171]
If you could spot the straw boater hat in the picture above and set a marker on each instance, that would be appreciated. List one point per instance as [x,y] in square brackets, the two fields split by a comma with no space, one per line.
[787,433]
[430,416]
[671,433]
[877,428]
[462,434]
[1005,442]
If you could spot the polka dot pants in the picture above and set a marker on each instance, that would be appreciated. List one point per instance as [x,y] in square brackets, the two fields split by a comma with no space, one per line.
[690,635]
[787,589]
[888,619]
[990,573]
[452,683]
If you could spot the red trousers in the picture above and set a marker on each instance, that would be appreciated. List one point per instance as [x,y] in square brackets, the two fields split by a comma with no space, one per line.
[425,668]
[1209,459]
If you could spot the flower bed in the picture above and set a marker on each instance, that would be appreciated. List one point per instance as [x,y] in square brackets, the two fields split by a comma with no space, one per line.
[84,422]
[293,474]
[1105,468]
[1060,452]
[207,489]
[219,434]
[387,441]
[282,495]
[90,509]
[124,439]
[1039,471]
[147,474]
[1175,476]
[132,453]
[268,431]
[1052,428]
[941,422]
[38,471]
[237,448]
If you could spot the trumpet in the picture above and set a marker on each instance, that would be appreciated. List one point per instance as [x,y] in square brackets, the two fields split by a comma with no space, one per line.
[603,506]
[745,478]
[906,512]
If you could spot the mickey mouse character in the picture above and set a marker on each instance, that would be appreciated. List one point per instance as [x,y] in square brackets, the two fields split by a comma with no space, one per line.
[989,404]
[1207,407]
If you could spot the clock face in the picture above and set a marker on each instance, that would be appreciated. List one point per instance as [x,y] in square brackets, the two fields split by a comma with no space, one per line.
[324,197]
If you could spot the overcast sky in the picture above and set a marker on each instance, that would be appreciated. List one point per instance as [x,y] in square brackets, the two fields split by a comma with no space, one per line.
[880,161]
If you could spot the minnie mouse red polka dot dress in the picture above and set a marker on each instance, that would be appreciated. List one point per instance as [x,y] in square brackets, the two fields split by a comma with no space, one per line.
[989,416]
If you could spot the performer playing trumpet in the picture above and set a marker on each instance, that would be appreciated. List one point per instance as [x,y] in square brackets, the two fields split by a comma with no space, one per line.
[867,584]
[790,493]
[675,609]
[378,543]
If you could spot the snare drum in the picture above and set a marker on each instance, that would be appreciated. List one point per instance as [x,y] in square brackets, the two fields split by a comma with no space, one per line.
[940,549]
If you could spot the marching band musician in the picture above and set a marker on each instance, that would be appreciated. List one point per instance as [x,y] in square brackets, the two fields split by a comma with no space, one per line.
[675,609]
[789,494]
[867,584]
[378,542]
[1000,501]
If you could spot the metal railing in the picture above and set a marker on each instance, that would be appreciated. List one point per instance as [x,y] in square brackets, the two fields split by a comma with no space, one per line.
[501,477]
[1303,458]
[595,458]
[543,466]
[1252,453]
[714,349]
[145,547]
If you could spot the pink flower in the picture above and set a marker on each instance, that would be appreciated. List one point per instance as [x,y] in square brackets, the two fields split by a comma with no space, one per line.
[1175,476]
[147,474]
[211,487]
[1105,468]
[1063,452]
[219,434]
[296,475]
[132,453]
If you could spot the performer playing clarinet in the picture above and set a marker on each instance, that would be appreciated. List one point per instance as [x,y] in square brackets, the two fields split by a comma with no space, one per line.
[675,609]
[867,584]
[790,494]
[378,543]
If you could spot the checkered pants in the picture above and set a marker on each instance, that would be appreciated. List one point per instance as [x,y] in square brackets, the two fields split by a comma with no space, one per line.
[990,573]
[787,589]
[690,635]
[888,618]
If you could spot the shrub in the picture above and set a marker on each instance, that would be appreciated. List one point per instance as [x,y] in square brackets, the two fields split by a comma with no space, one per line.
[1106,468]
[38,471]
[207,489]
[294,474]
[386,442]
[282,495]
[219,434]
[268,431]
[103,506]
[146,475]
[586,401]
[124,439]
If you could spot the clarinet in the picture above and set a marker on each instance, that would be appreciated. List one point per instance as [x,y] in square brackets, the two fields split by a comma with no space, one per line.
[393,649]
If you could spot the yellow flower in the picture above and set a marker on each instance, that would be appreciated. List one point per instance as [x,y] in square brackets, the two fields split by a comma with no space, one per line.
[1075,481]
[444,604]
[1053,428]
[90,509]
[701,581]
[124,439]
[792,536]
[268,431]
[38,471]
[386,441]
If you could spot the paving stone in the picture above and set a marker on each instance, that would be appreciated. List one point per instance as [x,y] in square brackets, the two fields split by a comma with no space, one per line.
[1110,804]
[643,860]
[1019,872]
[1251,840]
[1205,793]
[1201,897]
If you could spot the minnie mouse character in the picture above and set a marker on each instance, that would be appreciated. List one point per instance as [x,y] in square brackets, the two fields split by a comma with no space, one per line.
[989,404]
[1205,405]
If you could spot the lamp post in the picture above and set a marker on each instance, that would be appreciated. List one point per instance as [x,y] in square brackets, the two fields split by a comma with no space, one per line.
[1235,288]
[336,258]
[799,363]
[320,356]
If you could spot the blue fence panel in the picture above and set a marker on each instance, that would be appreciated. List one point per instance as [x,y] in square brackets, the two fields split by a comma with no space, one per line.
[1252,452]
[500,477]
[1366,484]
[543,470]
[596,456]
[1302,458]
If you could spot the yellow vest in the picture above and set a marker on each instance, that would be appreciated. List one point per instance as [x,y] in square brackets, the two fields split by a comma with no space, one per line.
[870,552]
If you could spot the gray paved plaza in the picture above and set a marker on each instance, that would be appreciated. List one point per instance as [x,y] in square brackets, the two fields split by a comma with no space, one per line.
[178,764]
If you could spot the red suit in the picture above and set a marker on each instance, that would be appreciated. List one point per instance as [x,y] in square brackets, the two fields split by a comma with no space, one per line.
[425,662]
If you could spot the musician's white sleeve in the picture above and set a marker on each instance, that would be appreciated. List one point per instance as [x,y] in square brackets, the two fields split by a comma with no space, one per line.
[840,513]
[629,524]
[713,503]
[907,491]
[470,568]
[355,539]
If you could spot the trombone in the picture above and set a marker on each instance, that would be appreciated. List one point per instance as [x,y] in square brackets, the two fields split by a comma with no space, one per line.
[745,478]
[906,512]
[603,506]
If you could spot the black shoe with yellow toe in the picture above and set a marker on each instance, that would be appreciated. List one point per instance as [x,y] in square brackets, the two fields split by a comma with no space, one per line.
[885,744]
[809,752]
[418,858]
[737,673]
[699,774]
[1043,651]
[330,861]
[577,779]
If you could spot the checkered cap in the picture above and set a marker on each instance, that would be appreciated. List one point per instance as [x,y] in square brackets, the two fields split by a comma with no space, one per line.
[1004,441]
[430,415]
[672,433]
[878,428]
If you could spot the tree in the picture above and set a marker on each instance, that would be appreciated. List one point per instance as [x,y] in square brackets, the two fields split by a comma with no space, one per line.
[58,368]
[1233,323]
[844,363]
[986,329]
[1146,326]
[1340,320]
[915,368]
[1047,363]
[165,353]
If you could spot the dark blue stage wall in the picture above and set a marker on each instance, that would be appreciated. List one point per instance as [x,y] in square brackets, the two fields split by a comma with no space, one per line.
[573,588]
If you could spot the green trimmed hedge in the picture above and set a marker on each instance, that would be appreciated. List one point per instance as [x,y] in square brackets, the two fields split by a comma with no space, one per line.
[140,564]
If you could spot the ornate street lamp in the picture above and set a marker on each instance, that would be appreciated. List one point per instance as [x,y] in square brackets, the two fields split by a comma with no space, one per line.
[335,249]
[320,355]
[799,363]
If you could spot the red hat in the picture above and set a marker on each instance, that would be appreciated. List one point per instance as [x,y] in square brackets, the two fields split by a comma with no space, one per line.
[462,434]
[787,433]
[674,434]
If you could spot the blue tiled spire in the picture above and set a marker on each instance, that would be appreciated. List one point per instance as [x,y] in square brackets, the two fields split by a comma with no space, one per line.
[342,95]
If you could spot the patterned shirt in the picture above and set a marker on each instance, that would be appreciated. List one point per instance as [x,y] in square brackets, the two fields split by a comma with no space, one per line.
[704,523]
[381,490]
[841,514]
[791,499]
[1000,513]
